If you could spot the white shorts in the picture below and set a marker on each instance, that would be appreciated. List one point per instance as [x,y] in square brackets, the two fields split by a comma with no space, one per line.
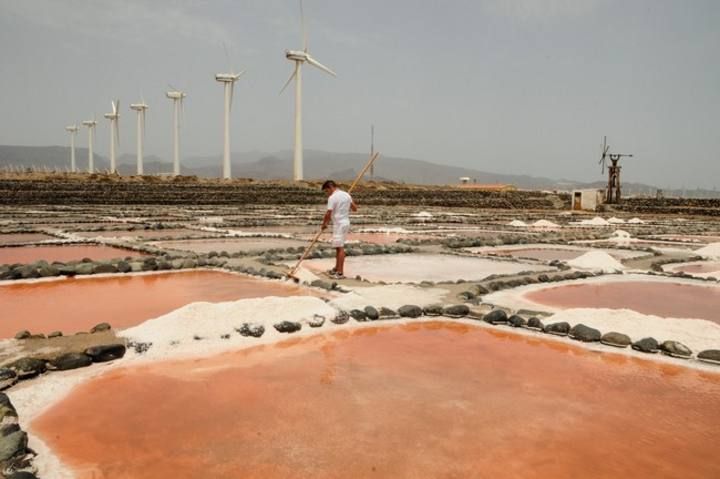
[339,233]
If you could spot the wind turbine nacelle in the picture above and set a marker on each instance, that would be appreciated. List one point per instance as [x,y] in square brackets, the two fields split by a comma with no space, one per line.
[72,128]
[175,95]
[138,106]
[226,77]
[111,116]
[89,123]
[295,55]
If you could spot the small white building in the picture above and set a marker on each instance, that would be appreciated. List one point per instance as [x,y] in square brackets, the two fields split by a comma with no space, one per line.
[587,200]
[464,180]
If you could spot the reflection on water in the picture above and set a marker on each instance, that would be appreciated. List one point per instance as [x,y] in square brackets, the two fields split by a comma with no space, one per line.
[422,400]
[658,298]
[71,305]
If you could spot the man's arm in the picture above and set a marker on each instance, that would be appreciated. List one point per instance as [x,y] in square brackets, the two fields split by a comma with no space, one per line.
[326,219]
[353,206]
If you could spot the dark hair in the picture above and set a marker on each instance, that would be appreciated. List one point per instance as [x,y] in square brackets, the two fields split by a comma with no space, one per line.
[328,184]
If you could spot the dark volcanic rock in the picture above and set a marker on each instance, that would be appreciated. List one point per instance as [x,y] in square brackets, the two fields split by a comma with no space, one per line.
[585,334]
[456,310]
[710,355]
[251,329]
[104,268]
[28,367]
[410,311]
[617,340]
[22,475]
[13,444]
[71,361]
[675,349]
[497,316]
[433,310]
[358,315]
[287,327]
[341,317]
[481,290]
[101,327]
[559,329]
[124,267]
[387,313]
[8,377]
[646,345]
[516,321]
[23,335]
[535,323]
[316,321]
[106,352]
[55,334]
[372,313]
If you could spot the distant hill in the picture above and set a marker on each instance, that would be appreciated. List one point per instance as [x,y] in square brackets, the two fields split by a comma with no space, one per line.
[317,164]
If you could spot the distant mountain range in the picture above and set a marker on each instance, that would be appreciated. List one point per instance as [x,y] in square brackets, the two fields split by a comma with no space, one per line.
[317,164]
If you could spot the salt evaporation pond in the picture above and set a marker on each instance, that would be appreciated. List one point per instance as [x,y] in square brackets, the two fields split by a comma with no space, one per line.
[230,245]
[551,253]
[415,268]
[30,254]
[659,298]
[18,238]
[700,268]
[373,403]
[77,304]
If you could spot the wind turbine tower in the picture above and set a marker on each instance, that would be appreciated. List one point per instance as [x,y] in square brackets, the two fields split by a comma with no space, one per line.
[300,57]
[114,133]
[228,79]
[140,109]
[90,124]
[177,97]
[72,129]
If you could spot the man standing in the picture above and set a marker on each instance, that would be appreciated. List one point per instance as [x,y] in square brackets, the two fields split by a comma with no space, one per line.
[339,205]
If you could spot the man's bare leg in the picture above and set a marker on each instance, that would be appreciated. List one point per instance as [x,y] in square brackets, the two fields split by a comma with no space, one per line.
[340,260]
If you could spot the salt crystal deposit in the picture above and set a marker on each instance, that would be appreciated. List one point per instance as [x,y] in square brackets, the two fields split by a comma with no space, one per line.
[545,224]
[597,261]
[517,223]
[711,251]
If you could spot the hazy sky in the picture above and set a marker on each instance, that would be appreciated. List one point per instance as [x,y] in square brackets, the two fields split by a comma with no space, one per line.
[525,86]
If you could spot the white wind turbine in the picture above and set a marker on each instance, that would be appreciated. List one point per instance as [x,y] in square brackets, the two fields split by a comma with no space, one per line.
[114,132]
[90,124]
[177,97]
[228,79]
[300,57]
[72,129]
[140,109]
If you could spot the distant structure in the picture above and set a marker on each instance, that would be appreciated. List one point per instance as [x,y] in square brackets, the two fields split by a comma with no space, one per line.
[90,124]
[140,108]
[372,150]
[613,192]
[464,180]
[177,97]
[300,57]
[72,129]
[587,200]
[228,79]
[496,187]
[114,116]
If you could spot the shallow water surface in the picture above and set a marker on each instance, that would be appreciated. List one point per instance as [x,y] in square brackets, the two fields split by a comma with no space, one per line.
[425,400]
[71,305]
[665,299]
[64,253]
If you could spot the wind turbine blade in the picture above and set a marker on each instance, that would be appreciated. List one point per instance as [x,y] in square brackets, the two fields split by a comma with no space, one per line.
[292,75]
[319,65]
[302,27]
[227,57]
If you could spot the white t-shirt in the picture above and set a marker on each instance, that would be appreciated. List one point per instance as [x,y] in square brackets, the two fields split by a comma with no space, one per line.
[339,202]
